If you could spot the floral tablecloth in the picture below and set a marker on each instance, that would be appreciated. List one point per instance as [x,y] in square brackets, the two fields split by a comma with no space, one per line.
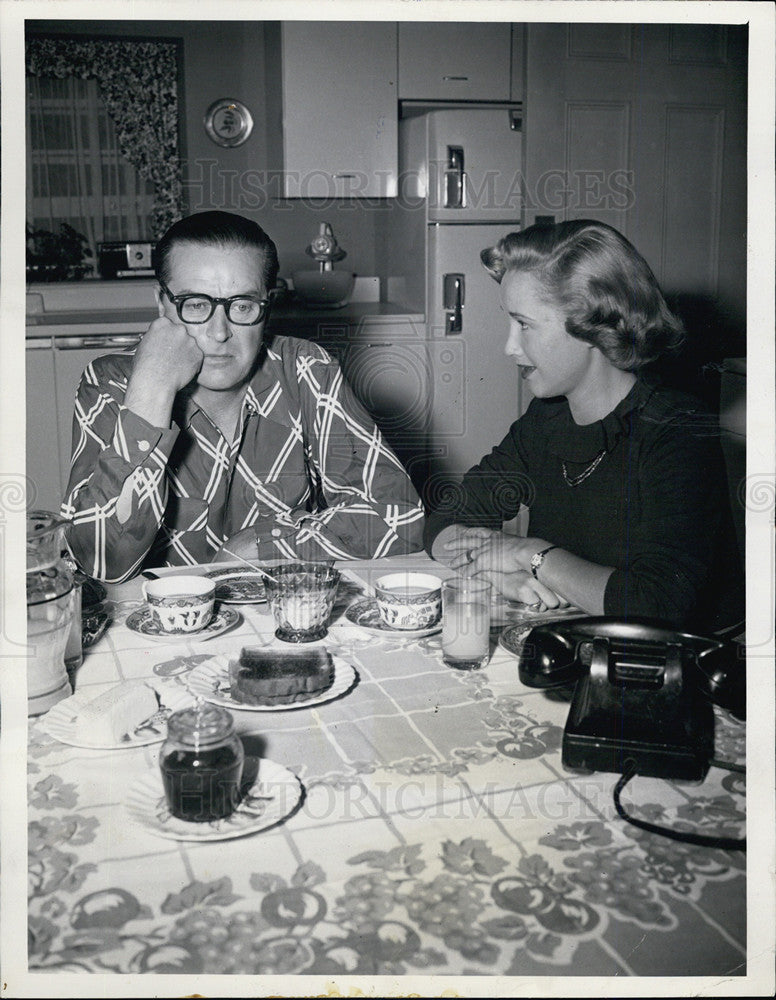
[438,833]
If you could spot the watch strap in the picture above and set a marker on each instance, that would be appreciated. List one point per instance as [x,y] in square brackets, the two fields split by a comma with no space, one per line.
[538,558]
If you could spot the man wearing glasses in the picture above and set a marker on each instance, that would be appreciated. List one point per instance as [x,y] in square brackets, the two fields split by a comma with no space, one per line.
[208,443]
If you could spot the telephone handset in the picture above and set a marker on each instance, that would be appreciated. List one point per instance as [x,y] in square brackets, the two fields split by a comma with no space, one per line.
[643,693]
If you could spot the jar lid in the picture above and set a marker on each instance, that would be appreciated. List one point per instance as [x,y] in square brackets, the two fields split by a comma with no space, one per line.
[200,725]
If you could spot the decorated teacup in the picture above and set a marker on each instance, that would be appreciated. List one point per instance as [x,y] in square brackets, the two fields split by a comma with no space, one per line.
[180,604]
[409,600]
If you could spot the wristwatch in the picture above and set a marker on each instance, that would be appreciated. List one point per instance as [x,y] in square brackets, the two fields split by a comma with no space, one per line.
[538,558]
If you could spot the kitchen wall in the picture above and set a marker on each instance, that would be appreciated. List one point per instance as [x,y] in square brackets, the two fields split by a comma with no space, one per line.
[240,59]
[235,59]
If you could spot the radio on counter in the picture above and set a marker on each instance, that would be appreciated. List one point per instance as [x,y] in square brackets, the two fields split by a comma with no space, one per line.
[132,259]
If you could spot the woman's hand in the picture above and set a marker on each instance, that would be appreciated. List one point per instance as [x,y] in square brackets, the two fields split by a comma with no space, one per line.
[503,560]
[455,545]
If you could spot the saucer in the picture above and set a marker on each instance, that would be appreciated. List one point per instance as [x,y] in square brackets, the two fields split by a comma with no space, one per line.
[236,586]
[366,614]
[210,680]
[142,622]
[274,794]
[513,636]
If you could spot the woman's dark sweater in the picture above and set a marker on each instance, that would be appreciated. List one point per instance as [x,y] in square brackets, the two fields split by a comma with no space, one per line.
[655,507]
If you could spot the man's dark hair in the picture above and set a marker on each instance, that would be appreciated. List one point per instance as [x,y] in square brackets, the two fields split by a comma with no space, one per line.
[218,229]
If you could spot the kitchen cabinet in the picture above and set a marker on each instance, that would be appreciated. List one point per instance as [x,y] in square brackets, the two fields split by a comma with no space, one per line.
[71,356]
[450,61]
[44,479]
[54,369]
[517,75]
[388,370]
[386,365]
[339,109]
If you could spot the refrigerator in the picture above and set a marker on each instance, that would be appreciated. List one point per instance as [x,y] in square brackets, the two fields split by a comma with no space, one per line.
[465,164]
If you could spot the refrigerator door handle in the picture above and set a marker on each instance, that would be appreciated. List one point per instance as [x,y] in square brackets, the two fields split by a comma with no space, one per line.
[453,300]
[455,178]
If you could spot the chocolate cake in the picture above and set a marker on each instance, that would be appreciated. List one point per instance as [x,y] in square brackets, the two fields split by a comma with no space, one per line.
[272,677]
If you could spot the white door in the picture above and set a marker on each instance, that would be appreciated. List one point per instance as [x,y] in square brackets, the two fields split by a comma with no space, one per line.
[644,127]
[475,387]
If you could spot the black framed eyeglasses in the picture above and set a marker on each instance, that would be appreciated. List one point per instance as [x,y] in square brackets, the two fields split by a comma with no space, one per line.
[242,310]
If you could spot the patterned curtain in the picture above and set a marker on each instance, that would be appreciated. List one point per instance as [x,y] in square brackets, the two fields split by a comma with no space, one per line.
[138,82]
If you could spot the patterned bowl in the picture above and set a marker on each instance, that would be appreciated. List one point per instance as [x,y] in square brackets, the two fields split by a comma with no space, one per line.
[409,600]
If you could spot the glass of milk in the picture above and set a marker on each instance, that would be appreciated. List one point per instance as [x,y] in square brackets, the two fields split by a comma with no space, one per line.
[466,623]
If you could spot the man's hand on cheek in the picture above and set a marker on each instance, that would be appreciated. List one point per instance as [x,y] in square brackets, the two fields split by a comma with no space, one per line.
[166,360]
[167,356]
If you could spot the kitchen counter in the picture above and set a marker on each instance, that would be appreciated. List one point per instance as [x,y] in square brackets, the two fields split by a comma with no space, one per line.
[94,322]
[120,308]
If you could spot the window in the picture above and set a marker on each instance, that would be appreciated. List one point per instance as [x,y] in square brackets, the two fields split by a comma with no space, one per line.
[102,136]
[76,173]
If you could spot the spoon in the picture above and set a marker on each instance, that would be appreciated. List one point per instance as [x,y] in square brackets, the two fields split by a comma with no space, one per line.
[255,569]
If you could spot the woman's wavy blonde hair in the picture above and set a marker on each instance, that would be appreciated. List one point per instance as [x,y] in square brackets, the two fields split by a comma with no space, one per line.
[607,290]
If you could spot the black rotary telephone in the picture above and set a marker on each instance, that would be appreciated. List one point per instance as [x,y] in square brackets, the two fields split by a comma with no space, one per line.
[643,693]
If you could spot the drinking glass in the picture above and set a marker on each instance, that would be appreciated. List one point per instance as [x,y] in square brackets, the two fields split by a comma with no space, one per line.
[466,623]
[301,595]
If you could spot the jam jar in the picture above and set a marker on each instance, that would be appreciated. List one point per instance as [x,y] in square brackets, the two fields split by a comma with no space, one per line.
[201,763]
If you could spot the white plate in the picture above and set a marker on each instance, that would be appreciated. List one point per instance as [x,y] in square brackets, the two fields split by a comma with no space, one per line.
[210,680]
[505,613]
[60,721]
[366,615]
[142,622]
[238,586]
[273,796]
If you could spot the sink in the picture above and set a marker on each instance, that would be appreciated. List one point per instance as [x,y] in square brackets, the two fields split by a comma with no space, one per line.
[323,289]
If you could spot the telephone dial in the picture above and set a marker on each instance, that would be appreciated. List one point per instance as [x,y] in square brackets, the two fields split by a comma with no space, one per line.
[643,693]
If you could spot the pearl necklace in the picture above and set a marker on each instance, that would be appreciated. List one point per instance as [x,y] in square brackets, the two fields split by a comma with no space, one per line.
[576,480]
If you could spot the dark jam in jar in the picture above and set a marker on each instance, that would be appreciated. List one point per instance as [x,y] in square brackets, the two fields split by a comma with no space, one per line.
[201,763]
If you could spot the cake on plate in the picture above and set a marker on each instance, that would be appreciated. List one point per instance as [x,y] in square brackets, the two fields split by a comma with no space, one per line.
[115,713]
[274,677]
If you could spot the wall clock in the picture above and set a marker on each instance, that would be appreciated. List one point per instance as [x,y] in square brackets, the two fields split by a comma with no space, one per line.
[228,122]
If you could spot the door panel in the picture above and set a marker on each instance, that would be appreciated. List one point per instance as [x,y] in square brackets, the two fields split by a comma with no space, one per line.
[693,200]
[644,127]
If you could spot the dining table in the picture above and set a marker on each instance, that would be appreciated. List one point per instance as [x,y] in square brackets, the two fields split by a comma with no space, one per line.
[421,822]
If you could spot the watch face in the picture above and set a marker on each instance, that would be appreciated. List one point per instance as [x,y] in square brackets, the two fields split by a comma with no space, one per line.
[228,122]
